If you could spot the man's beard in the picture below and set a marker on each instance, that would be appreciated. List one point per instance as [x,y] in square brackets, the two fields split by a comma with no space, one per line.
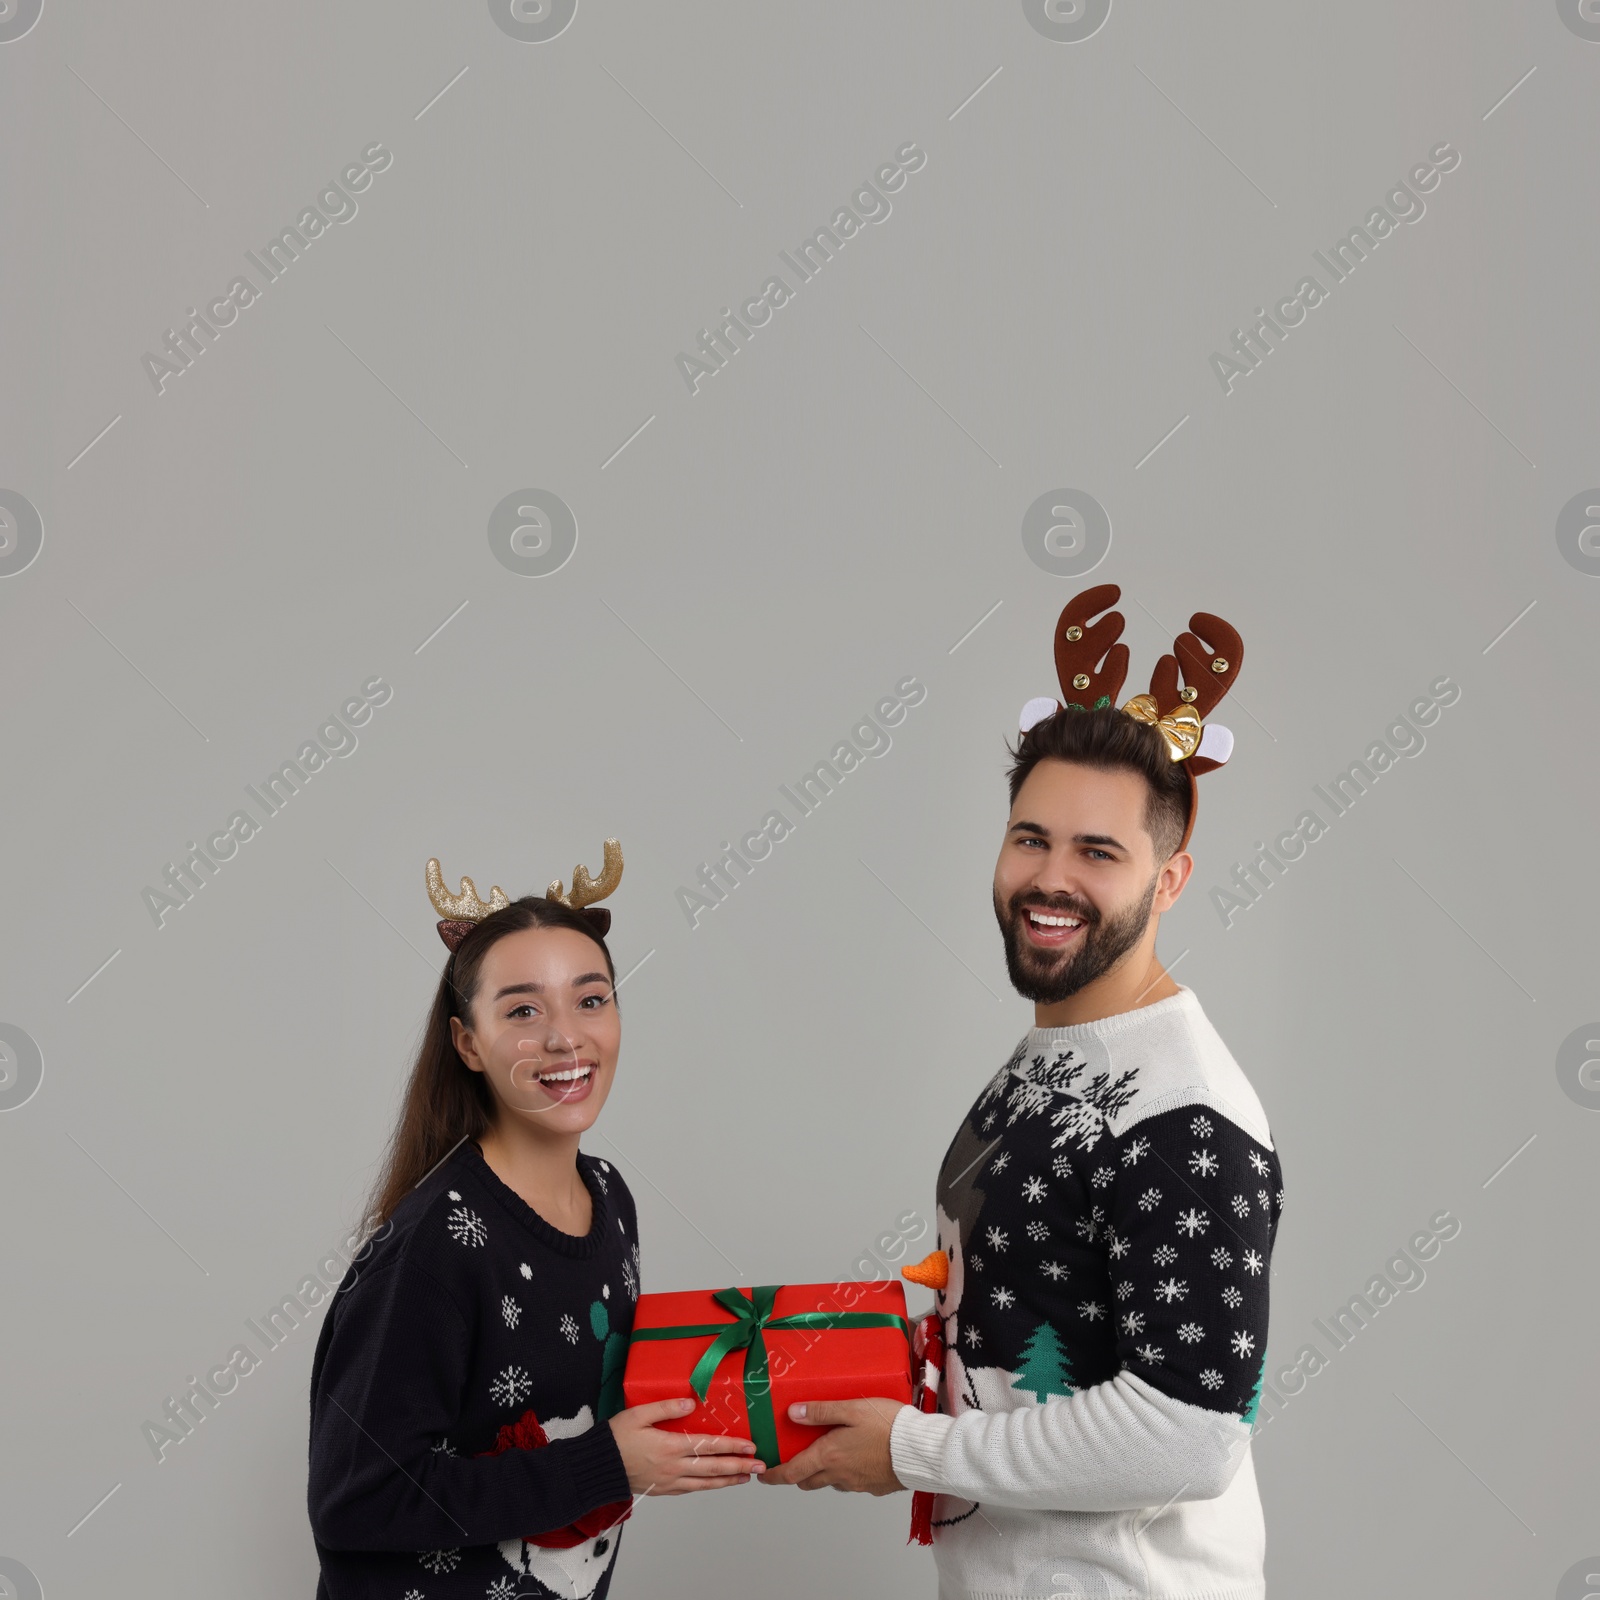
[1047,977]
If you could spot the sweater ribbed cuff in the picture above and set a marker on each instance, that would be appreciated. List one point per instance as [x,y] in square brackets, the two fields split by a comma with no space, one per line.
[916,1448]
[595,1464]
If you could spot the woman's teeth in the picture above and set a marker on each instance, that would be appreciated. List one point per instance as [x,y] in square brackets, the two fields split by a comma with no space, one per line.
[565,1076]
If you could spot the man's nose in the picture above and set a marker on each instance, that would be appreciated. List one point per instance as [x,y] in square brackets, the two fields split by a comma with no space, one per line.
[1056,874]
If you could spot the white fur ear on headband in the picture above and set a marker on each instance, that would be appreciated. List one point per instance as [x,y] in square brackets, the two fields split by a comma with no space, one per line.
[1216,743]
[1035,712]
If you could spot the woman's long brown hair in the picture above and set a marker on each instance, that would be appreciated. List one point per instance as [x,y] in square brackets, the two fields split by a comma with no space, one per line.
[445,1100]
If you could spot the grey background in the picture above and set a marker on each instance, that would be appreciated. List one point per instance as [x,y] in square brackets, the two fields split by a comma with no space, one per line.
[834,511]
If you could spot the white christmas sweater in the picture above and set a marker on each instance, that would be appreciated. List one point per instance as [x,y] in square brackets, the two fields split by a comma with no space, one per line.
[1108,1208]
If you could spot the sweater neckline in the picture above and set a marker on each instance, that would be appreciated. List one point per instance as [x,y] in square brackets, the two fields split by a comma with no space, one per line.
[552,1237]
[1184,1002]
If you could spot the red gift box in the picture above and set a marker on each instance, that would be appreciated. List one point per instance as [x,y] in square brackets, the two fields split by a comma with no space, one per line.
[748,1354]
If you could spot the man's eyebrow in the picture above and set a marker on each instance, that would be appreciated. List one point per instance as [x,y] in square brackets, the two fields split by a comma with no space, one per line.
[1098,839]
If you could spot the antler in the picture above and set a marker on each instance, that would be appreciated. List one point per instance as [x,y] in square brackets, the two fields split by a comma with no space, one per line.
[1089,662]
[1208,671]
[466,906]
[586,890]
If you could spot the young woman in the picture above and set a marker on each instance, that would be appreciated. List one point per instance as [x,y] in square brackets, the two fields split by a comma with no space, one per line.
[467,1435]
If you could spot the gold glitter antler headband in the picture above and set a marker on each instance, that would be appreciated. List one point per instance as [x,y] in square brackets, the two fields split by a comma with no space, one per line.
[586,890]
[462,912]
[465,906]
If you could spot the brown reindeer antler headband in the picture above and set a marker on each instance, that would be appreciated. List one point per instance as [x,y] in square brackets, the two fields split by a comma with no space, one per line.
[1092,665]
[462,912]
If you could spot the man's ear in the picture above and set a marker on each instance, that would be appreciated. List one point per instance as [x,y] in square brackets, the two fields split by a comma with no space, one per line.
[1170,880]
[466,1046]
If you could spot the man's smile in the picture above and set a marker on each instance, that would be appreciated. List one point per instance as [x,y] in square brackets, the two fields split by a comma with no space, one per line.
[1051,930]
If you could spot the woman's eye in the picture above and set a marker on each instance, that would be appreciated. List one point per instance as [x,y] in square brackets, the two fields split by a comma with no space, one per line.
[524,1010]
[598,1001]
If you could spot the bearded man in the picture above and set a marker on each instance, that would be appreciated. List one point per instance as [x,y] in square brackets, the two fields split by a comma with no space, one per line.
[1107,1209]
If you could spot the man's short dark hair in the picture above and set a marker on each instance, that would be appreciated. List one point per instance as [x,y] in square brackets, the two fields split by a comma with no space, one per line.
[1111,740]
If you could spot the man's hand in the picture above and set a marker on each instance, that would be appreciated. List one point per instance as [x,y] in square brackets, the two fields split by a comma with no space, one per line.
[853,1456]
[658,1461]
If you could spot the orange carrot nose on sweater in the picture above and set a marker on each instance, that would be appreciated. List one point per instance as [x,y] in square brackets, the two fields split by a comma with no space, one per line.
[932,1271]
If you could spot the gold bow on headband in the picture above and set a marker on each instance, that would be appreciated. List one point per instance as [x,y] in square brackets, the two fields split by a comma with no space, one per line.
[1181,727]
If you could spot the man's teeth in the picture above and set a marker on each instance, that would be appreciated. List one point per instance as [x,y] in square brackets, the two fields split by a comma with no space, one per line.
[1044,921]
[564,1077]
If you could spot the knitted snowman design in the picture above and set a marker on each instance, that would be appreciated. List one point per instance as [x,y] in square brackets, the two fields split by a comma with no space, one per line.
[570,1562]
[572,1571]
[944,1271]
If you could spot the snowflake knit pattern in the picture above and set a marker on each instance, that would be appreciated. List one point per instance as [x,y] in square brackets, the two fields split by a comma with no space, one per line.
[459,1396]
[1108,1210]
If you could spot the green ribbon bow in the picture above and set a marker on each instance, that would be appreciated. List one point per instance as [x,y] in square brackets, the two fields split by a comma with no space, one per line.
[754,1313]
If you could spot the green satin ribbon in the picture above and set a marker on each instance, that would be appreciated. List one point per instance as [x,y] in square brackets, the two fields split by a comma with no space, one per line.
[754,1313]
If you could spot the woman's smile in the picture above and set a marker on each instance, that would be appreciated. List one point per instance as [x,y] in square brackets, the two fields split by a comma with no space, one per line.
[569,1084]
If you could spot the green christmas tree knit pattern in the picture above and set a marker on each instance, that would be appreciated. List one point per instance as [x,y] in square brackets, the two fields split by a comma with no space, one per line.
[1045,1370]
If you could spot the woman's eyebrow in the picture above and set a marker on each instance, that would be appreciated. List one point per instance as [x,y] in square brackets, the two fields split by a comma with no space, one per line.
[538,988]
[519,988]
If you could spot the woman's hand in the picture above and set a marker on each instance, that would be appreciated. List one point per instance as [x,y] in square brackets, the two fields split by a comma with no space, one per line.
[662,1462]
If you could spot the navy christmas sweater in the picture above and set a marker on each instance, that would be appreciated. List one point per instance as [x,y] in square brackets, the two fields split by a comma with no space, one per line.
[459,1396]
